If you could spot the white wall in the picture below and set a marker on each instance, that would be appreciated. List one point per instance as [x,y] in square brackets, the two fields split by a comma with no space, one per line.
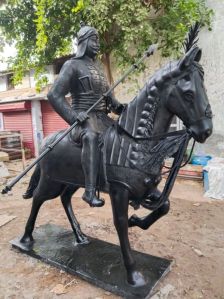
[37,126]
[3,84]
[25,82]
[212,44]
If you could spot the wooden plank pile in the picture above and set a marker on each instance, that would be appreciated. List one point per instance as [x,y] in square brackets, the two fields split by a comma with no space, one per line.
[11,143]
[189,171]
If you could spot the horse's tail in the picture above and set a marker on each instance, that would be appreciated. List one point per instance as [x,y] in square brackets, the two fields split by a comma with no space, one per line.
[34,180]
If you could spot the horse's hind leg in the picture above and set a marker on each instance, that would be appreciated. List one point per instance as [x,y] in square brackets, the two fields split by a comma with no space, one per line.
[45,190]
[66,202]
[120,199]
[146,222]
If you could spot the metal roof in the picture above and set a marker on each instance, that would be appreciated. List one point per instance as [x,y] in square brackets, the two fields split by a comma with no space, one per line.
[25,94]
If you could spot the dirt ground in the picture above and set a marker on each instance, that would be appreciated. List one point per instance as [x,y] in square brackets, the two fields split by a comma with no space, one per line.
[192,234]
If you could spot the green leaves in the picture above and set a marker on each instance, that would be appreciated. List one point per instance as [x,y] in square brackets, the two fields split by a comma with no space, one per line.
[78,7]
[43,29]
[173,22]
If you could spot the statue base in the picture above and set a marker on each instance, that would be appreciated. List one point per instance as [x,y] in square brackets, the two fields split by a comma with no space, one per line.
[99,262]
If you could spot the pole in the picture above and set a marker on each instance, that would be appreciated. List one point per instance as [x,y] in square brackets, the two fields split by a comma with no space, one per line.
[148,53]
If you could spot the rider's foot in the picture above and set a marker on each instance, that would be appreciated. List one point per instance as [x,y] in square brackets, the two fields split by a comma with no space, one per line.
[90,197]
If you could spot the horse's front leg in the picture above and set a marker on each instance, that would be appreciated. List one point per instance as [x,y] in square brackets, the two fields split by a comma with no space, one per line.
[147,221]
[119,199]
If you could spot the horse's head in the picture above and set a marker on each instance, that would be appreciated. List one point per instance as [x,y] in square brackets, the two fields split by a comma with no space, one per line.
[186,97]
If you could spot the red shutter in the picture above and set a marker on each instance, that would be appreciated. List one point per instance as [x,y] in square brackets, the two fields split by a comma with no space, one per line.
[20,121]
[52,122]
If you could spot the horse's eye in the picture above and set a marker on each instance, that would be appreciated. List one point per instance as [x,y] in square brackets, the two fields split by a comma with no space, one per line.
[189,96]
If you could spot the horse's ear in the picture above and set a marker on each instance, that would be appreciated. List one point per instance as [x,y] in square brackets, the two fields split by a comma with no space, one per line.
[194,54]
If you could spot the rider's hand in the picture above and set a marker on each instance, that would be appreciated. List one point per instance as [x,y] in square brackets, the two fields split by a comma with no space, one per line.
[82,116]
[119,108]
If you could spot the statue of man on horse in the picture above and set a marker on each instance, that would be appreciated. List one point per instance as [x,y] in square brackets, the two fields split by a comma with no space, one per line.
[133,150]
[82,76]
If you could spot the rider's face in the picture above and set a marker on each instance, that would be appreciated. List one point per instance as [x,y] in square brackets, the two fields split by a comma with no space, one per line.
[93,46]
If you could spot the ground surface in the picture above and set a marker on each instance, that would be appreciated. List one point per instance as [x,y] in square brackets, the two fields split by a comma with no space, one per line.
[192,234]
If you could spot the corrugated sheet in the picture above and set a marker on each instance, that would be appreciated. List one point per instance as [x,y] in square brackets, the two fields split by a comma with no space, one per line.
[20,121]
[52,122]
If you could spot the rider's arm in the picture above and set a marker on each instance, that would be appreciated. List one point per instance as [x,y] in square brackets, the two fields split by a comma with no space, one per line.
[59,90]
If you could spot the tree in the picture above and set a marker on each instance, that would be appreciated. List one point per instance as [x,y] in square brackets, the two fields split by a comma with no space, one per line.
[43,29]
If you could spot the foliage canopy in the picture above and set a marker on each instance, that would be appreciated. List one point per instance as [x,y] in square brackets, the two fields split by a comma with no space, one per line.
[42,30]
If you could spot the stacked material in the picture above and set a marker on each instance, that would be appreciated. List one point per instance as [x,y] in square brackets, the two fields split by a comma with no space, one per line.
[215,170]
[11,144]
[189,171]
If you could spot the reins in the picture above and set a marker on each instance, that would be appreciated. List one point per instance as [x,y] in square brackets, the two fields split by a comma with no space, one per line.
[172,173]
[185,163]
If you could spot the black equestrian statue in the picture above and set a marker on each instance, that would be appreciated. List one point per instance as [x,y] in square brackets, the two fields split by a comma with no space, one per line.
[131,150]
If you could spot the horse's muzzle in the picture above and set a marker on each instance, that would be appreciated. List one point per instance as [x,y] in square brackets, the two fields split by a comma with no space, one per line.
[201,129]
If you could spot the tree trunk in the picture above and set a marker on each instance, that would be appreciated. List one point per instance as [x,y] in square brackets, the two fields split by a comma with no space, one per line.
[107,67]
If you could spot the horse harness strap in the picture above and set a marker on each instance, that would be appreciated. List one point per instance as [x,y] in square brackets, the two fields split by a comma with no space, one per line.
[157,137]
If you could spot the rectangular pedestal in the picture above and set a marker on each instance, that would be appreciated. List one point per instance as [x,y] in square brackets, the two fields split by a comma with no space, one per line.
[99,262]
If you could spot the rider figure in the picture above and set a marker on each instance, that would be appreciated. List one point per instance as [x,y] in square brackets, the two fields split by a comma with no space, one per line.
[84,79]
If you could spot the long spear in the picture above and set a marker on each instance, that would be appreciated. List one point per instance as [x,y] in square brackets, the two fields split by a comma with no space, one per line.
[49,148]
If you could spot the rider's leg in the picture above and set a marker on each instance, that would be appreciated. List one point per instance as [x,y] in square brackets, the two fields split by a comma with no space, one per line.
[90,164]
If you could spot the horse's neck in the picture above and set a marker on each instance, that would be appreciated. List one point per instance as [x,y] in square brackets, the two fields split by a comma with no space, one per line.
[162,122]
[146,115]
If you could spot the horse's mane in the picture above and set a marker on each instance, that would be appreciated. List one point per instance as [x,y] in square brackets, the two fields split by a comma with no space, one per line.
[192,37]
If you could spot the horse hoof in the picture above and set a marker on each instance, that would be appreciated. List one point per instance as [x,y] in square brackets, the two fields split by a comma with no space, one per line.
[26,243]
[136,279]
[132,221]
[84,241]
[27,240]
[81,240]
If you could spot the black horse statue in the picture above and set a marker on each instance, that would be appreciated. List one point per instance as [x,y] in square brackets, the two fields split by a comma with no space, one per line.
[133,153]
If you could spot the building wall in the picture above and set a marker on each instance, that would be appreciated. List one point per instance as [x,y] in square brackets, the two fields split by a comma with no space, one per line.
[51,121]
[49,74]
[212,44]
[20,121]
[3,85]
[25,82]
[28,80]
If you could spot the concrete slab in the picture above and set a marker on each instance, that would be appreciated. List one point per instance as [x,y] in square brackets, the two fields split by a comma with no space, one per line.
[99,262]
